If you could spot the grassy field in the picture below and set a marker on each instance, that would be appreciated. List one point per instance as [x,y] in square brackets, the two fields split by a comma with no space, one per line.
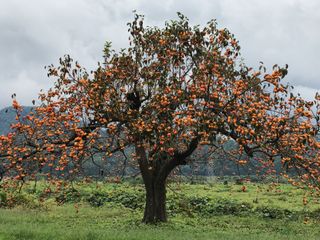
[206,211]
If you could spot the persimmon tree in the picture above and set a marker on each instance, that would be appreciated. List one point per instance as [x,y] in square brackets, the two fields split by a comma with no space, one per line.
[172,91]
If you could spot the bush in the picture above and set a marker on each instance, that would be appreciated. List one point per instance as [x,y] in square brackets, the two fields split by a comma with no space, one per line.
[69,196]
[19,199]
[207,206]
[129,200]
[177,204]
[315,214]
[3,199]
[275,213]
[230,207]
[126,199]
[98,199]
[199,204]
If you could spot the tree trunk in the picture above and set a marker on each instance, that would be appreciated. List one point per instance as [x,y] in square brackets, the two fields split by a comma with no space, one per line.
[155,208]
[155,181]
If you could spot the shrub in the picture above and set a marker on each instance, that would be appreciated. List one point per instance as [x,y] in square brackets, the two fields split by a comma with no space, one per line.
[227,207]
[3,199]
[19,199]
[207,206]
[315,214]
[128,199]
[69,196]
[97,199]
[275,213]
[177,204]
[199,204]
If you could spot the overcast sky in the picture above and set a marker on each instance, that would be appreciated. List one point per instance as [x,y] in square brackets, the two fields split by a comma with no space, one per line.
[36,33]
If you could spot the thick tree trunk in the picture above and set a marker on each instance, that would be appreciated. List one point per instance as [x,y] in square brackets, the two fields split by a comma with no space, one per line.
[155,180]
[155,208]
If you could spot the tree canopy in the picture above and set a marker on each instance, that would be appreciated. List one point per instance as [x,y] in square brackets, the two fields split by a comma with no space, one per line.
[175,89]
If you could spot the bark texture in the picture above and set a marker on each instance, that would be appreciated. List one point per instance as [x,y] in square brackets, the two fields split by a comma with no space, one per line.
[155,208]
[154,178]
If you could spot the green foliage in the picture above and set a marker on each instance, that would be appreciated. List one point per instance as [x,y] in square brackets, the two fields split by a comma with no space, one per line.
[19,199]
[230,207]
[3,199]
[98,199]
[126,199]
[315,214]
[129,200]
[207,207]
[69,196]
[276,213]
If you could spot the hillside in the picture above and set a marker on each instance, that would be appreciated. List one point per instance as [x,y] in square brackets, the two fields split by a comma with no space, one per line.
[7,117]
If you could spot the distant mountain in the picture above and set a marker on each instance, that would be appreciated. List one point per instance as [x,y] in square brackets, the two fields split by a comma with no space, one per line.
[8,116]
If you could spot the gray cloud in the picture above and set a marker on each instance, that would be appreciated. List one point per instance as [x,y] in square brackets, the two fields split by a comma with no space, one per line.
[36,33]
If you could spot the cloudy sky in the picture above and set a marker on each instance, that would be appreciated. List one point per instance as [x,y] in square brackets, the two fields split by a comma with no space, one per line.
[36,33]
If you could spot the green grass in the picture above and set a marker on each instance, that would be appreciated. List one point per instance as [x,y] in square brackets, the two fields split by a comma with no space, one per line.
[113,221]
[65,222]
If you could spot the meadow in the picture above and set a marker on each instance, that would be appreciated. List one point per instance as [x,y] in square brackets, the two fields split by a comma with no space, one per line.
[216,210]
